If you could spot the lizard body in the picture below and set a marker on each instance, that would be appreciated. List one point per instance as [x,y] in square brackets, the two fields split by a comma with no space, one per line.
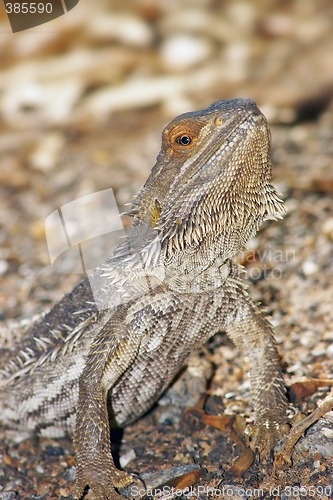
[168,288]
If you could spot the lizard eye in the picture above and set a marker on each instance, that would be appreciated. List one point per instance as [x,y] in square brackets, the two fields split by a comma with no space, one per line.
[184,140]
[181,138]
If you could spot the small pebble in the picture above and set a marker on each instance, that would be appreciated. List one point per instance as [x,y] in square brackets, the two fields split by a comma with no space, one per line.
[46,154]
[180,52]
[309,267]
[126,458]
[327,228]
[3,266]
[330,351]
[327,432]
[71,473]
[40,469]
[9,495]
[124,28]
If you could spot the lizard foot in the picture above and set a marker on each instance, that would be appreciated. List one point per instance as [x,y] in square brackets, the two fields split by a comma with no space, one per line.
[268,434]
[103,482]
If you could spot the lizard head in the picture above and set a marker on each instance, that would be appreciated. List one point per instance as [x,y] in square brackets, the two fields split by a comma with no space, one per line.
[210,189]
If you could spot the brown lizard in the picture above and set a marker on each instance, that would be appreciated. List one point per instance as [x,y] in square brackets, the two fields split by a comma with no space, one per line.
[168,289]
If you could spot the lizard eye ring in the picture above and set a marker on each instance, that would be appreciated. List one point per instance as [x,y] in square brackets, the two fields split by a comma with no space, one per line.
[184,140]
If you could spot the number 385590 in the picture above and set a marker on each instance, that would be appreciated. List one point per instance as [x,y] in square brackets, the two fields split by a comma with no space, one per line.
[28,8]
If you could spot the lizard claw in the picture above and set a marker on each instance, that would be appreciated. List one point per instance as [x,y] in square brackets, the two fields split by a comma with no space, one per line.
[102,493]
[139,480]
[269,433]
[103,483]
[141,485]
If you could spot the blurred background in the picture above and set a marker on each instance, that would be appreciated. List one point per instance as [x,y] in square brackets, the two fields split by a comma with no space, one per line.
[83,101]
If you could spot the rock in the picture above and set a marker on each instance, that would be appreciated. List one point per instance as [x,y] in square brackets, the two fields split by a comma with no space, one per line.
[181,52]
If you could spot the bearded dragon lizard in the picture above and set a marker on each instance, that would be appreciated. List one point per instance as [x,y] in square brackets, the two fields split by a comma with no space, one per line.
[171,286]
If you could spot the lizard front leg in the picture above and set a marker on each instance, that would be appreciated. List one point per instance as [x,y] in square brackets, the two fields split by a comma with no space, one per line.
[111,353]
[252,333]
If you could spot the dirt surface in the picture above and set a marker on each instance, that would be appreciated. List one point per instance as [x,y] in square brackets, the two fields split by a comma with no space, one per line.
[83,101]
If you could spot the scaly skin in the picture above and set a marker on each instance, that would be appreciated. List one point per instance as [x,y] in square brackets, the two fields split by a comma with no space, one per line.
[169,288]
